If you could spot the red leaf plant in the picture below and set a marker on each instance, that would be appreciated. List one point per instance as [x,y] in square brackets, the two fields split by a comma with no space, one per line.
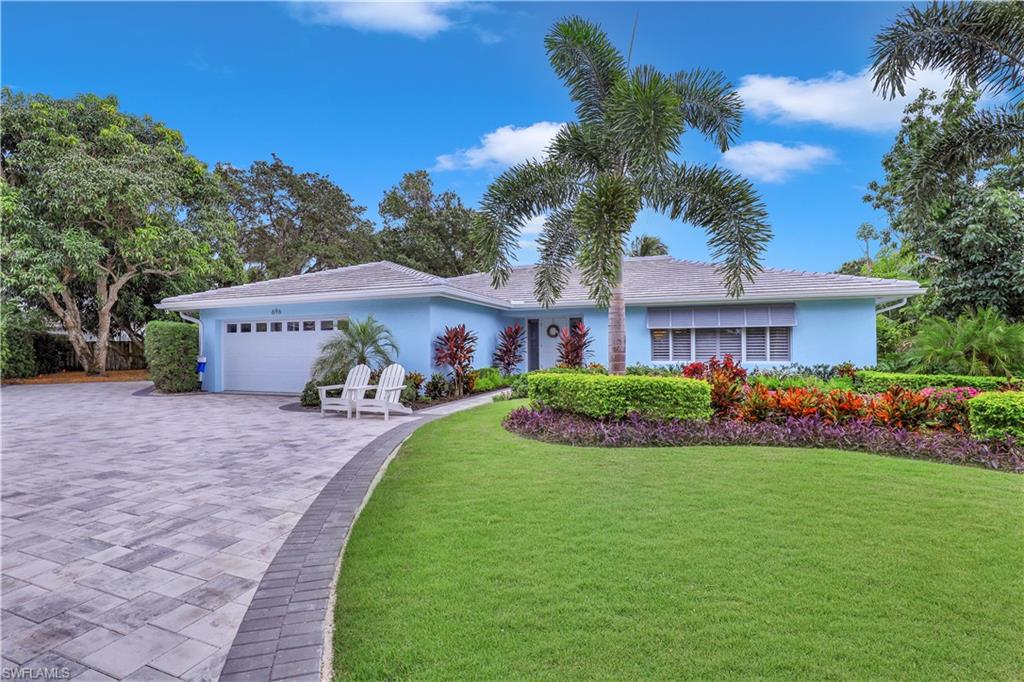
[509,352]
[574,346]
[454,348]
[902,409]
[727,379]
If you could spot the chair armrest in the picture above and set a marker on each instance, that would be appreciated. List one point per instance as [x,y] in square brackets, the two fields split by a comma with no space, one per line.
[333,387]
[356,388]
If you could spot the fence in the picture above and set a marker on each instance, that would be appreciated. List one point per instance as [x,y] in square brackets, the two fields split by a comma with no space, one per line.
[120,355]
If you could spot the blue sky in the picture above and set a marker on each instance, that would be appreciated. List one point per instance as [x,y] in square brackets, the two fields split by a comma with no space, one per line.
[363,92]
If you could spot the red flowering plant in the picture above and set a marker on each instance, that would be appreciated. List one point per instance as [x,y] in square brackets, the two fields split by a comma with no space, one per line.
[951,406]
[727,380]
[901,409]
[509,353]
[758,404]
[454,348]
[574,346]
[842,406]
[799,402]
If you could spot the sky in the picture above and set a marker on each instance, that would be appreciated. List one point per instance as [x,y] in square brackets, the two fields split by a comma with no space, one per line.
[366,92]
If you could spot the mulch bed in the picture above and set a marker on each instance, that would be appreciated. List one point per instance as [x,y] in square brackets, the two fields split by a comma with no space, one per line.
[83,378]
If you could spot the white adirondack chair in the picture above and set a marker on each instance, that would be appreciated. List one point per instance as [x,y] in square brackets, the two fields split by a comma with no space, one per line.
[354,388]
[389,390]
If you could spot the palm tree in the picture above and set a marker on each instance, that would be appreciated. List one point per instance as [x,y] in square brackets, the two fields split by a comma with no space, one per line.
[978,343]
[366,342]
[981,45]
[614,160]
[647,245]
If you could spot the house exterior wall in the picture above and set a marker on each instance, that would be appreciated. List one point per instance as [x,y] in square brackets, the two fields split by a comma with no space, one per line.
[828,331]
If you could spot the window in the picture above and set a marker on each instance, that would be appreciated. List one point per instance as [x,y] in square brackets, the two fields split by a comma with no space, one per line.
[326,325]
[747,344]
[245,327]
[232,328]
[309,326]
[261,326]
[293,326]
[275,326]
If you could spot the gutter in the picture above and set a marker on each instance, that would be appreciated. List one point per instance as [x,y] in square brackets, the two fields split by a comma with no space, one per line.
[332,296]
[898,304]
[200,359]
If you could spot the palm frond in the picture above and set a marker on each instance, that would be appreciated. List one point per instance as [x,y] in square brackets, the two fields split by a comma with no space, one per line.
[643,112]
[557,245]
[647,245]
[979,43]
[587,62]
[603,217]
[581,147]
[710,103]
[518,194]
[727,206]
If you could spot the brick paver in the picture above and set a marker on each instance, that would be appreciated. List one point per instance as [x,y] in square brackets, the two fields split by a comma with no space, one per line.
[136,529]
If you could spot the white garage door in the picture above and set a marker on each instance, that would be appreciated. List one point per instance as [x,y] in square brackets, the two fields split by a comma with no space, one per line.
[272,355]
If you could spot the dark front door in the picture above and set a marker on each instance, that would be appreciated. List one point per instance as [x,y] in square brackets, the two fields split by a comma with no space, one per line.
[532,345]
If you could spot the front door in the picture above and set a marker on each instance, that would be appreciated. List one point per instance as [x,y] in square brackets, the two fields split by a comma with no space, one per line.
[532,345]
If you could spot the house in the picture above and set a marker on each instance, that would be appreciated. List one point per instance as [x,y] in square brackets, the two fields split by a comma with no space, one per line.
[265,335]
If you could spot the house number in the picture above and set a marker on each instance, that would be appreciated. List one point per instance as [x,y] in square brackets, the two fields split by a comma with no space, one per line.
[275,311]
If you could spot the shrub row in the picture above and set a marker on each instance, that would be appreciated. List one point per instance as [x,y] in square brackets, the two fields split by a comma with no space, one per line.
[601,395]
[994,415]
[869,381]
[171,350]
[635,431]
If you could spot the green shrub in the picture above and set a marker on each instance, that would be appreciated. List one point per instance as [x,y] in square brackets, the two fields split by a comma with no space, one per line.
[994,415]
[17,356]
[979,343]
[171,350]
[490,379]
[774,383]
[437,386]
[601,395]
[876,382]
[311,394]
[50,351]
[520,386]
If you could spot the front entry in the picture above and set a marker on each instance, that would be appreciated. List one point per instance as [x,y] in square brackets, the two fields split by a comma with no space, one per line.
[542,340]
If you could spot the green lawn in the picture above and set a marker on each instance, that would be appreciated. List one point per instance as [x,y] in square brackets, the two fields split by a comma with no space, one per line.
[482,555]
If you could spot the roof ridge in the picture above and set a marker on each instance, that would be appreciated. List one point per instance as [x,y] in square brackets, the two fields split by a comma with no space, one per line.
[412,271]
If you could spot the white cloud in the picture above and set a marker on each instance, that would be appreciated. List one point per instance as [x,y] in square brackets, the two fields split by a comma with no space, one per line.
[421,19]
[839,99]
[774,162]
[503,147]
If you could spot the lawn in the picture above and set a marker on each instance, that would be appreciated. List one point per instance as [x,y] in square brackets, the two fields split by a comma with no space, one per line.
[482,555]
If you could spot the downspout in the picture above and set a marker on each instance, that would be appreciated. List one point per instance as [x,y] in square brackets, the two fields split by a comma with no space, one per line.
[898,304]
[200,359]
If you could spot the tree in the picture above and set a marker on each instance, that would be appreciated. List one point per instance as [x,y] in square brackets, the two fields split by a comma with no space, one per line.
[981,45]
[616,158]
[455,348]
[647,245]
[977,342]
[427,231]
[866,233]
[292,223]
[358,342]
[509,352]
[96,198]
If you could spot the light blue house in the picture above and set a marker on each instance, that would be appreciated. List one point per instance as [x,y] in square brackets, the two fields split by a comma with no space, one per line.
[264,336]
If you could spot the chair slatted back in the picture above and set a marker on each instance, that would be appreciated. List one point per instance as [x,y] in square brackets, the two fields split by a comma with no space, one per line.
[357,376]
[393,376]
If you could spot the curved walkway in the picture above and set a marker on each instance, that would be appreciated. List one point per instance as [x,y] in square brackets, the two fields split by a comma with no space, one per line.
[282,635]
[136,529]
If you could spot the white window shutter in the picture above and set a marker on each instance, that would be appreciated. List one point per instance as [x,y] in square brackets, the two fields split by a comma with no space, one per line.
[680,345]
[658,318]
[659,345]
[705,343]
[757,344]
[779,343]
[730,342]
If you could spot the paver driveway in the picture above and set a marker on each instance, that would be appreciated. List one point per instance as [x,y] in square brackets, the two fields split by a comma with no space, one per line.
[136,528]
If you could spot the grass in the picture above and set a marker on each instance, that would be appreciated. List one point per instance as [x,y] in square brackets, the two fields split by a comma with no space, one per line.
[482,555]
[83,378]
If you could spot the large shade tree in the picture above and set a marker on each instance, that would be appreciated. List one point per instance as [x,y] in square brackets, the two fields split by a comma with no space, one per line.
[291,223]
[621,156]
[980,45]
[95,199]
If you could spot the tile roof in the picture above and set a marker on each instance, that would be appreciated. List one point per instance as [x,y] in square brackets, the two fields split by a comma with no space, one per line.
[647,280]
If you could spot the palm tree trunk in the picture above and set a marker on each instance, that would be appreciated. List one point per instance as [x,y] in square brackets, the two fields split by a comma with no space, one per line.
[617,329]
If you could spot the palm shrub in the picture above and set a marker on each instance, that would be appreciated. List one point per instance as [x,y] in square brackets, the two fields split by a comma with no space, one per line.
[977,343]
[574,346]
[454,348]
[509,352]
[620,156]
[358,342]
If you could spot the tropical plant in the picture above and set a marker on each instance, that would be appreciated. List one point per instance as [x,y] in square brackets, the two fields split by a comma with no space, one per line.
[358,342]
[981,45]
[509,353]
[975,343]
[647,245]
[616,158]
[574,346]
[437,386]
[454,348]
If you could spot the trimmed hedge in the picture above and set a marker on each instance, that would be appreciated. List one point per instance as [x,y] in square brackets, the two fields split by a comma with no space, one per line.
[171,350]
[601,395]
[868,381]
[996,415]
[17,356]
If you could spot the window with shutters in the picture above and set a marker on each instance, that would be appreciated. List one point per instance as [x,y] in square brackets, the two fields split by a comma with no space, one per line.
[757,344]
[779,341]
[660,348]
[746,344]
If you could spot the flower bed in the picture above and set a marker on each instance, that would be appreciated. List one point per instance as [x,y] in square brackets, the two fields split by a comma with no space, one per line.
[951,447]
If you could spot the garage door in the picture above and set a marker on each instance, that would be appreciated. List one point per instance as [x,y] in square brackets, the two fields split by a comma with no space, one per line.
[272,355]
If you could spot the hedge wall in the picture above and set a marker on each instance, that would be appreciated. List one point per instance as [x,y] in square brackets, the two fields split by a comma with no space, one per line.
[868,381]
[171,350]
[17,356]
[994,415]
[600,395]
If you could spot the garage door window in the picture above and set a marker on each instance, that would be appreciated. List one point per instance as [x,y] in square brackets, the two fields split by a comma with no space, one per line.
[326,325]
[232,329]
[293,326]
[309,326]
[261,326]
[245,327]
[275,326]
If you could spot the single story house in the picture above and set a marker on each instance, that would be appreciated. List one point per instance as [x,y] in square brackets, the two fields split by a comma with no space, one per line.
[265,335]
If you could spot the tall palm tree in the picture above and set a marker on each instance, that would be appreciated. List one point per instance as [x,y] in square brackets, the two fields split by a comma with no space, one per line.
[614,160]
[358,342]
[647,245]
[981,45]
